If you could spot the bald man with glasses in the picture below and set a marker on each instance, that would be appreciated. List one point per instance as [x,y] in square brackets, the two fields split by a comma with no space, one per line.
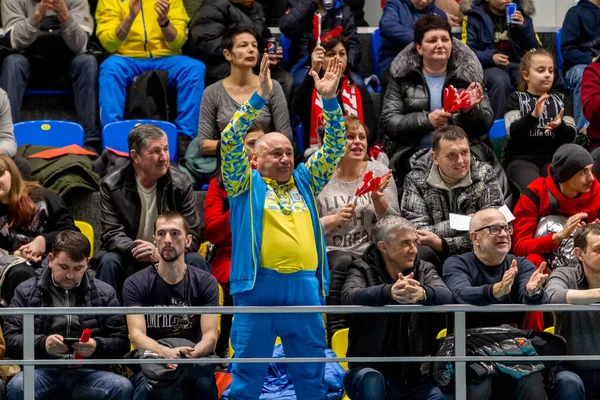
[489,275]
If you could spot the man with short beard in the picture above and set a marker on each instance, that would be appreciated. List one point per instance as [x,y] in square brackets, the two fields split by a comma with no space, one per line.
[171,283]
[131,199]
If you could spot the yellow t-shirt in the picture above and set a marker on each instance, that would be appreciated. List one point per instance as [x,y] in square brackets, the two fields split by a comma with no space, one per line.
[288,239]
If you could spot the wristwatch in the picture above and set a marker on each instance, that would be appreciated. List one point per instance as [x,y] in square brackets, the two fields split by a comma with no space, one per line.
[165,24]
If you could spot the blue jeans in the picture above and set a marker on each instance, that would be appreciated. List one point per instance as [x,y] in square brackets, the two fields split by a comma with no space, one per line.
[573,77]
[499,83]
[185,74]
[114,269]
[363,383]
[572,384]
[302,335]
[84,77]
[80,383]
[204,387]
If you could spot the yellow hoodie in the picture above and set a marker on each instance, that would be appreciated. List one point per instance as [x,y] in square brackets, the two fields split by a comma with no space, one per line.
[145,39]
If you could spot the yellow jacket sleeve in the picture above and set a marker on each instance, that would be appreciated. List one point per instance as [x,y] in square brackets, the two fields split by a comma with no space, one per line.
[108,17]
[179,19]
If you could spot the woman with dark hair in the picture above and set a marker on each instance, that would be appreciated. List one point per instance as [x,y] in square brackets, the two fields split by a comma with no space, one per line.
[413,101]
[218,232]
[353,99]
[348,221]
[222,99]
[30,218]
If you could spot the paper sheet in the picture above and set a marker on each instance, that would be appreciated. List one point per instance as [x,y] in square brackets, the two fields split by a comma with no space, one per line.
[459,222]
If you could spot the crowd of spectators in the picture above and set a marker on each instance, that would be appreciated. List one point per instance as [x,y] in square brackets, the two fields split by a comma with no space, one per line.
[397,244]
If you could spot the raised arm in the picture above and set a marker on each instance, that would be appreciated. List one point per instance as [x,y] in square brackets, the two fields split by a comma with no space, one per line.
[322,164]
[235,167]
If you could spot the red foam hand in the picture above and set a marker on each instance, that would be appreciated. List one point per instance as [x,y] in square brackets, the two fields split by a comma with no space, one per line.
[464,100]
[85,337]
[317,28]
[364,184]
[450,97]
[330,35]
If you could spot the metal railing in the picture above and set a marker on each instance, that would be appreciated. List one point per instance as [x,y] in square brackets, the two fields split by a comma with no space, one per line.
[29,362]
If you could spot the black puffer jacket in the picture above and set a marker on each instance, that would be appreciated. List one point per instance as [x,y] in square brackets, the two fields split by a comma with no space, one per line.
[297,25]
[373,335]
[214,18]
[120,207]
[109,331]
[404,118]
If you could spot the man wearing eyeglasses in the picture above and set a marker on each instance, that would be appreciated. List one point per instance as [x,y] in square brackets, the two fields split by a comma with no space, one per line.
[489,275]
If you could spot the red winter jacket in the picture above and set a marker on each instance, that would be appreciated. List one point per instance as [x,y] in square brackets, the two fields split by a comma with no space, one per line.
[218,231]
[590,100]
[535,203]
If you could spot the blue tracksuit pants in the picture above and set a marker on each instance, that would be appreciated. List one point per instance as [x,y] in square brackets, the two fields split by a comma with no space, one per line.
[302,335]
[185,74]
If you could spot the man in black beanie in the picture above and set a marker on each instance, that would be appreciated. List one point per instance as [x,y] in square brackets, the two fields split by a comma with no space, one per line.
[569,190]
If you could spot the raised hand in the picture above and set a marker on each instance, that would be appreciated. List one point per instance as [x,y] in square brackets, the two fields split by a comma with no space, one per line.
[517,18]
[556,122]
[504,287]
[265,84]
[385,180]
[328,84]
[574,222]
[317,58]
[162,9]
[537,280]
[476,94]
[540,105]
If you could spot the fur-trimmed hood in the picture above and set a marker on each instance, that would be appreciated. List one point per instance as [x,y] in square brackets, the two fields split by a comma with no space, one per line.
[527,6]
[462,63]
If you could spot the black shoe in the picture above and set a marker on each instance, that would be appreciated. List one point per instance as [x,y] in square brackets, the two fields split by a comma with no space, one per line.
[95,146]
[183,143]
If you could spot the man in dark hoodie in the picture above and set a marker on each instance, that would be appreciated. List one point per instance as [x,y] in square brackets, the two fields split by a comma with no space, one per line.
[297,25]
[67,282]
[499,45]
[390,272]
[580,46]
[397,27]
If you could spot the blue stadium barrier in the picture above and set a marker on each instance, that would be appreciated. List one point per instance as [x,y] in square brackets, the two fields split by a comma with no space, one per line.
[375,46]
[49,133]
[498,130]
[114,135]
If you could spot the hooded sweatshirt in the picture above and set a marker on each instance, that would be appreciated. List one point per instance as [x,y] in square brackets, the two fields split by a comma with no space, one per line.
[580,41]
[534,203]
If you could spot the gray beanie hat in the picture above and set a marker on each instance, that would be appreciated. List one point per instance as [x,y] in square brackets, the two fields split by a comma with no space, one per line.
[568,160]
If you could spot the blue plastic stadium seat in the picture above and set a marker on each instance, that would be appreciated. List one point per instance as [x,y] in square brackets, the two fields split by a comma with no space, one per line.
[49,133]
[498,130]
[375,46]
[560,62]
[114,135]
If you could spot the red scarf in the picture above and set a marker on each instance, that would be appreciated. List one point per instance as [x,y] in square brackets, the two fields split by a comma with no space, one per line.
[351,105]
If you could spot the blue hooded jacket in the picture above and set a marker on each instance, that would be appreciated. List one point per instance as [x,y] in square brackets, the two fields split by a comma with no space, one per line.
[397,28]
[478,30]
[580,41]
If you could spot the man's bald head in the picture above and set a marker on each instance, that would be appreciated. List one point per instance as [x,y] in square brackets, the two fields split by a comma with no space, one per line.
[483,217]
[274,157]
[273,139]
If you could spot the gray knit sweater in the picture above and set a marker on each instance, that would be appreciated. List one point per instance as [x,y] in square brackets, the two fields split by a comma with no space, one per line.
[17,18]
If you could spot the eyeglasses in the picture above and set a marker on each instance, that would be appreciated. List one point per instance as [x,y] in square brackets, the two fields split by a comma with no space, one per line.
[496,229]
